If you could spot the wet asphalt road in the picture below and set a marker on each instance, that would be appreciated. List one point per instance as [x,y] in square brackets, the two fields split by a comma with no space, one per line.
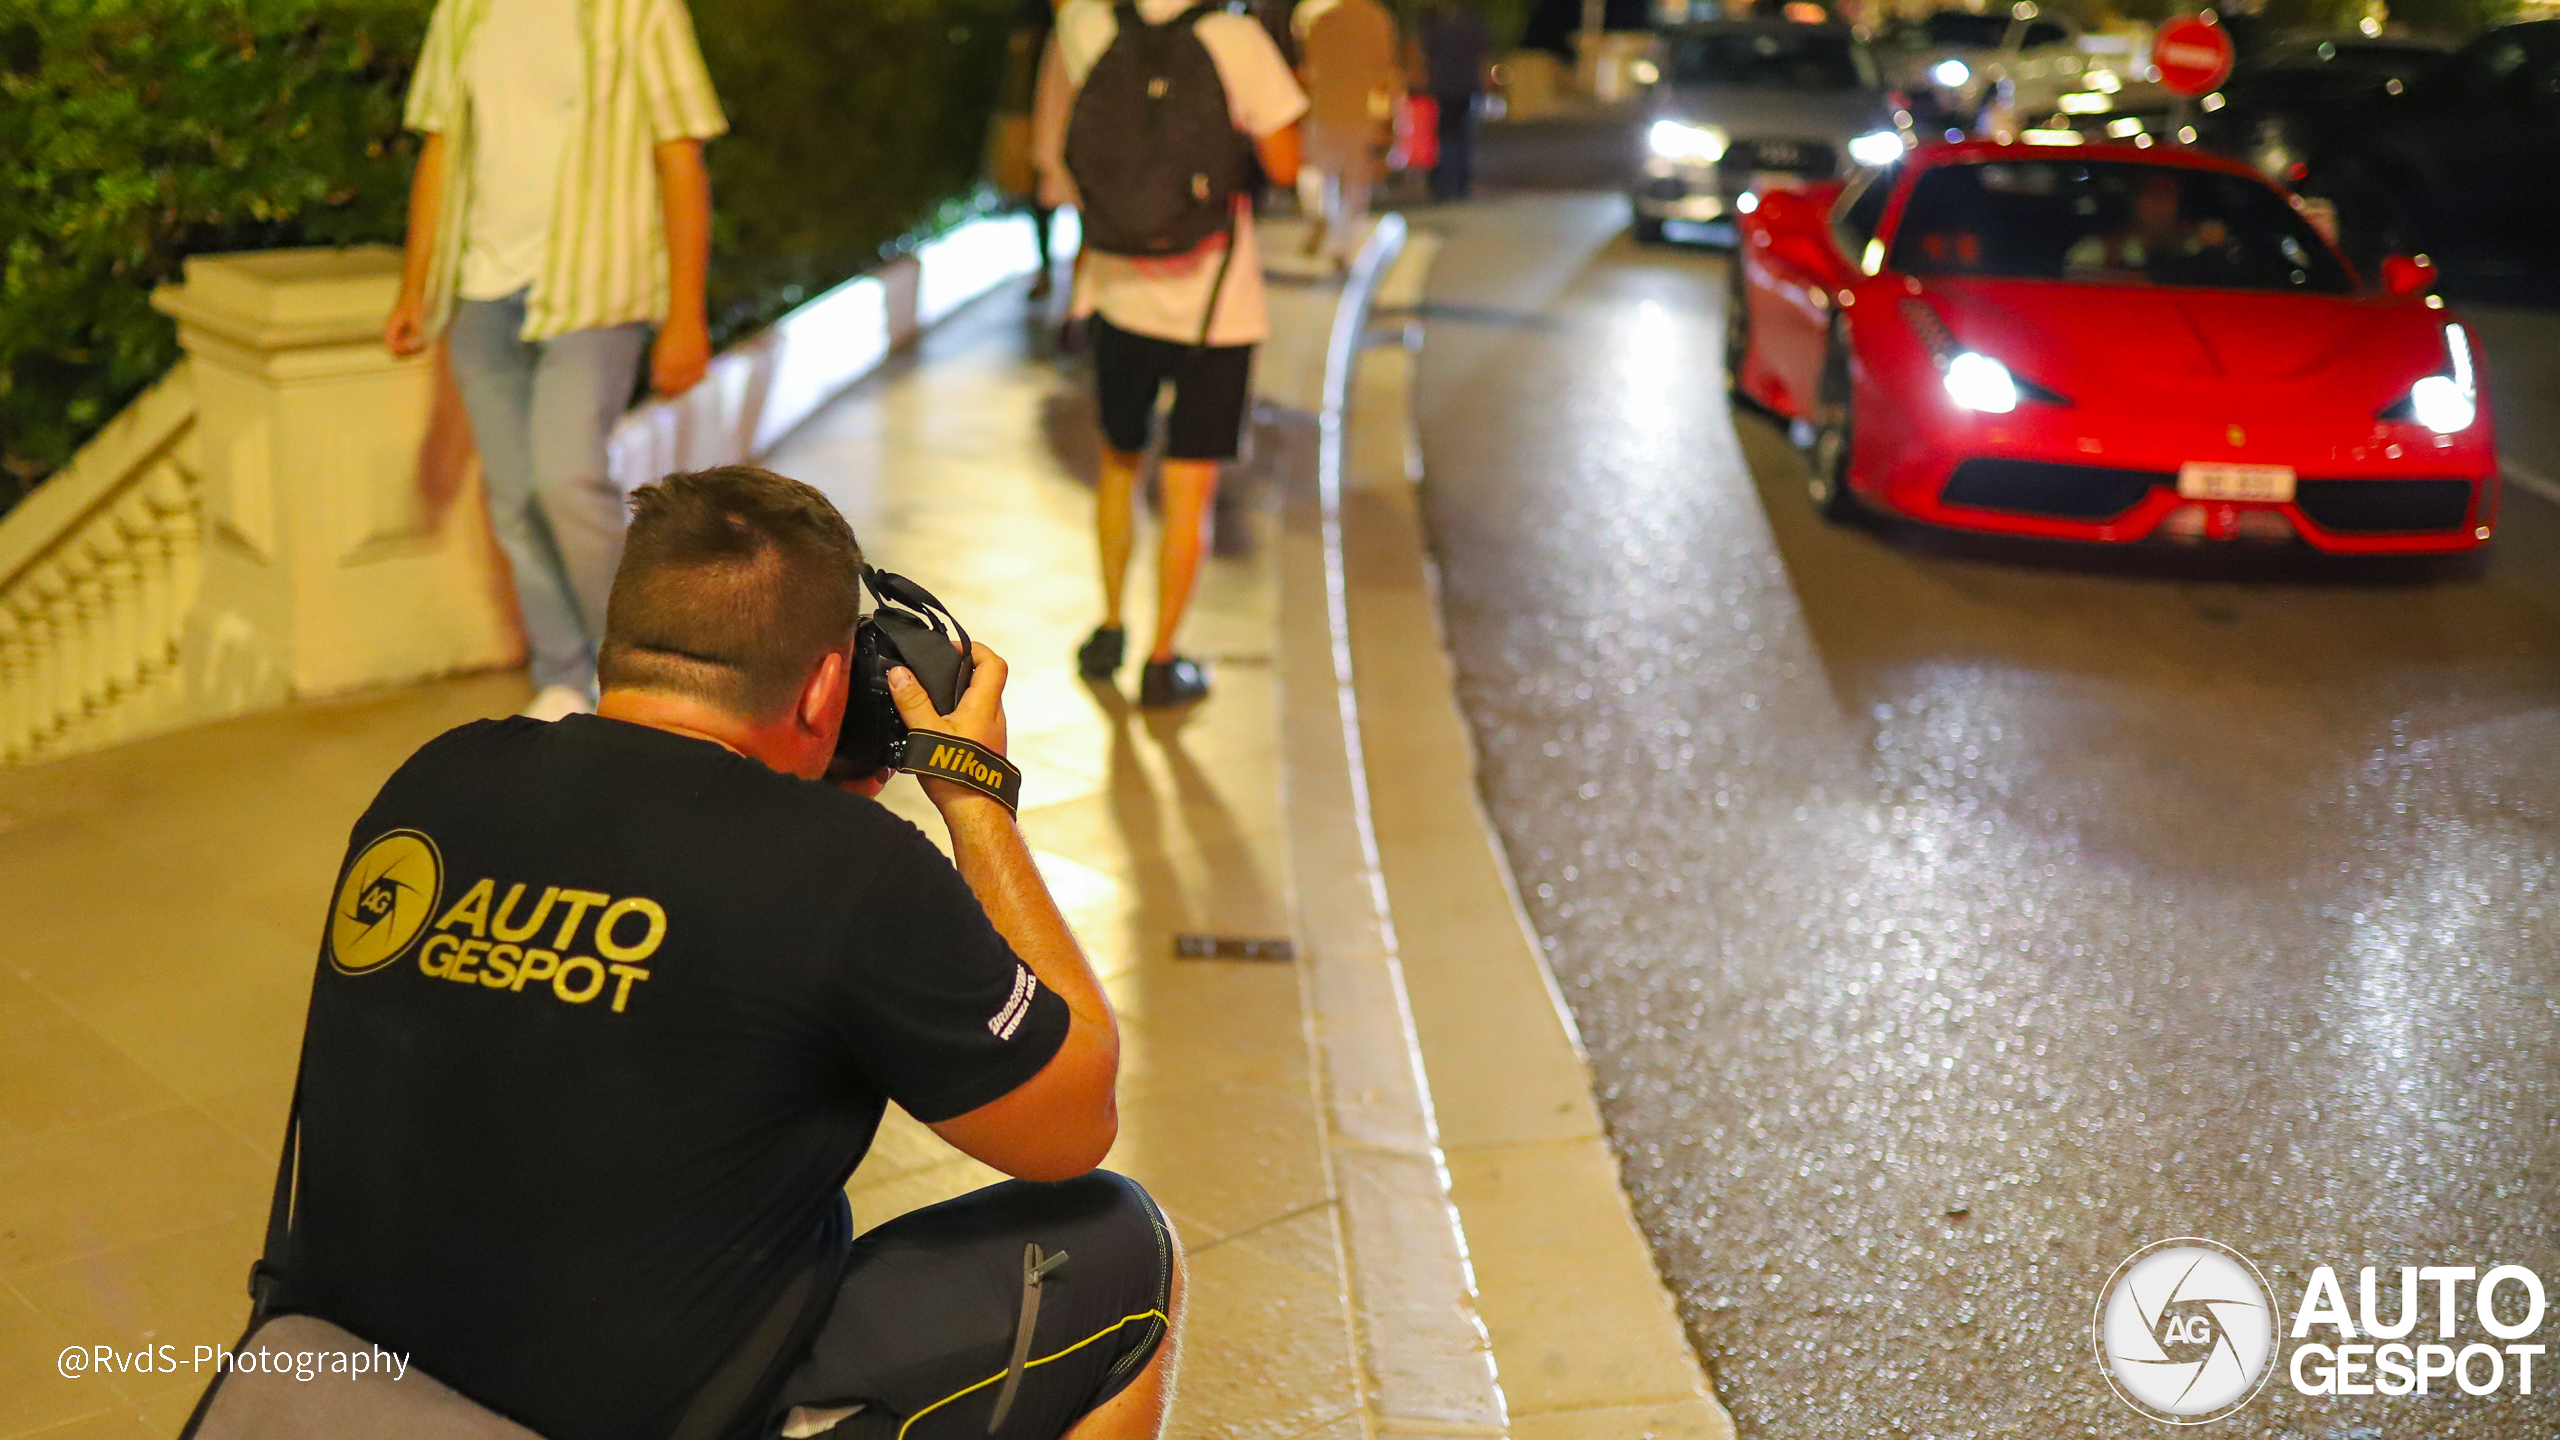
[1947,920]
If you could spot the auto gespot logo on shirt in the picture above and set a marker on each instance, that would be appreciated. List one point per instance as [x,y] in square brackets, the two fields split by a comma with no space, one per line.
[384,902]
[516,936]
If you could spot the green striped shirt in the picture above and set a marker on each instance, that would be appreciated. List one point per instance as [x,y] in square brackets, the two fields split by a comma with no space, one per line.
[606,260]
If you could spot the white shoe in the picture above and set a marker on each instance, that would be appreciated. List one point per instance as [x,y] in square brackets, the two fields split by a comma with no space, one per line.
[555,701]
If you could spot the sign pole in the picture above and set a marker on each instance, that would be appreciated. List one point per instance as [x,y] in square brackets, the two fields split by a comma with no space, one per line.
[2192,55]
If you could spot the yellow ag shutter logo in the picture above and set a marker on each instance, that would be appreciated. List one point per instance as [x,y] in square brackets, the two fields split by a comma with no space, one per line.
[388,895]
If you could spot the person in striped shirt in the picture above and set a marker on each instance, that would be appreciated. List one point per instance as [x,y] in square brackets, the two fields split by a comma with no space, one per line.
[560,211]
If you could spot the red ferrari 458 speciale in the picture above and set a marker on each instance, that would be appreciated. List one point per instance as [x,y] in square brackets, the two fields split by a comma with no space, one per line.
[2107,343]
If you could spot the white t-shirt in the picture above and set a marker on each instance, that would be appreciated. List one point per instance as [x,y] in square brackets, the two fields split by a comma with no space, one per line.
[1166,298]
[524,72]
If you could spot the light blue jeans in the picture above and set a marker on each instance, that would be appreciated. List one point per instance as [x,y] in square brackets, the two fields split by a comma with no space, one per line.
[540,411]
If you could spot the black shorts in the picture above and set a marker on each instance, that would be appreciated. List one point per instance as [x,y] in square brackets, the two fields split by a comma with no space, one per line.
[1210,385]
[923,1327]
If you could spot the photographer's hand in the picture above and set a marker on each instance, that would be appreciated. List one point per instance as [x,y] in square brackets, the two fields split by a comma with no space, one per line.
[1060,1122]
[978,717]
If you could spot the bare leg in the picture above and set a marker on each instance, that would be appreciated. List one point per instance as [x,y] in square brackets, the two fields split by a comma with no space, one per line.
[1137,1412]
[1115,525]
[1041,279]
[1189,487]
[1311,205]
[1349,212]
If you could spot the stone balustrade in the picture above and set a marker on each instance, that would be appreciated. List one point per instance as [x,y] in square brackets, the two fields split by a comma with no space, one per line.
[293,512]
[97,573]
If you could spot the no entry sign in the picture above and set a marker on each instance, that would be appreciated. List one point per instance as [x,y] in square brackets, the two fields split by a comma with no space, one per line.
[2193,55]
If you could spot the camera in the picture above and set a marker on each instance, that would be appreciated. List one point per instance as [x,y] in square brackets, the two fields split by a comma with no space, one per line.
[907,627]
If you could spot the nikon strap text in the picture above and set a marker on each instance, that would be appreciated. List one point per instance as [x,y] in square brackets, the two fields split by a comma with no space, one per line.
[963,762]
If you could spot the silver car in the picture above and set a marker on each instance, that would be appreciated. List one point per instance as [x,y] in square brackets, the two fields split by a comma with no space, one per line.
[1743,104]
[1949,62]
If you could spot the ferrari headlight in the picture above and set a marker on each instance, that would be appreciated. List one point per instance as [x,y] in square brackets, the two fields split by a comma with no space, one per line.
[1692,144]
[2446,404]
[1951,73]
[2442,406]
[1977,382]
[1880,147]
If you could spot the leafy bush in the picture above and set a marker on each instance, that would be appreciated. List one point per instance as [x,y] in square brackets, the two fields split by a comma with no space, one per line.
[2452,19]
[851,125]
[134,133]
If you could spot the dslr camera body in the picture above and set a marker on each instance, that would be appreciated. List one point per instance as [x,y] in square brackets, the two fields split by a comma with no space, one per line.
[908,626]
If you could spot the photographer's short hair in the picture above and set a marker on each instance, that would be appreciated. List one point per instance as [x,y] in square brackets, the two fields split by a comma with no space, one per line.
[734,581]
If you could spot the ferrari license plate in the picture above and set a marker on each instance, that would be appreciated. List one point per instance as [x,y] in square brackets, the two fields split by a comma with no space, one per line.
[2214,480]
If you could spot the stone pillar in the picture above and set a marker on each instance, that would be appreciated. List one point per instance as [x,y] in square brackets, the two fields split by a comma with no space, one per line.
[346,541]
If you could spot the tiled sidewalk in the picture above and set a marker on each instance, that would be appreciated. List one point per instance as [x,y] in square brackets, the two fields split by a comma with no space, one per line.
[158,904]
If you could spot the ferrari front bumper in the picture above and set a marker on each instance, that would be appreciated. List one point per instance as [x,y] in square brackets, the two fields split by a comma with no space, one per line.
[2033,474]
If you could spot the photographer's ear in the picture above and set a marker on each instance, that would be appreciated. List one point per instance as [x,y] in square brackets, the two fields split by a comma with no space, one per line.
[820,708]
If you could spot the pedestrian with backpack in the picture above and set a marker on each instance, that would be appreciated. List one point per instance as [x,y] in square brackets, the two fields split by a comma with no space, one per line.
[1179,109]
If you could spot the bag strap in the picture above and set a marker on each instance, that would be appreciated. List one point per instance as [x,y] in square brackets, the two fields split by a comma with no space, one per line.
[267,1271]
[1209,316]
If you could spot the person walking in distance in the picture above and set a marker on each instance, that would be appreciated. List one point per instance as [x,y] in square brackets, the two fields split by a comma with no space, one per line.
[1174,104]
[1347,62]
[1051,94]
[1457,52]
[1013,148]
[560,209]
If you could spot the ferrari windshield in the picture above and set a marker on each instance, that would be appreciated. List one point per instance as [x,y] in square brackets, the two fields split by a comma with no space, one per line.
[1799,58]
[2110,222]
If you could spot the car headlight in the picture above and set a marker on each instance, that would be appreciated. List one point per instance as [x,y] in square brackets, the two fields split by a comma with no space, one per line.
[1977,382]
[2446,404]
[1679,140]
[1951,73]
[2442,406]
[1880,147]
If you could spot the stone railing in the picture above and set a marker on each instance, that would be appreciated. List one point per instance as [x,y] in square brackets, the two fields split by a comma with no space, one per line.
[292,512]
[98,570]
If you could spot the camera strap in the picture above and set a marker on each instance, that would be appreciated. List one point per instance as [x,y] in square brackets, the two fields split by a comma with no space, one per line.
[962,762]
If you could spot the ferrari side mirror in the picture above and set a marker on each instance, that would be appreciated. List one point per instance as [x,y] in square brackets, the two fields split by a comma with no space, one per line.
[2407,274]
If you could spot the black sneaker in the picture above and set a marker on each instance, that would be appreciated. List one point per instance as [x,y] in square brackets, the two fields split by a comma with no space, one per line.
[1177,681]
[1100,654]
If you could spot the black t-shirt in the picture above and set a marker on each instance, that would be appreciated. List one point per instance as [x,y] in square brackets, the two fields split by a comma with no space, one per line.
[604,1018]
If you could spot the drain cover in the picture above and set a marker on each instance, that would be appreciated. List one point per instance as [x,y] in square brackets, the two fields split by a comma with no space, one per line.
[1233,947]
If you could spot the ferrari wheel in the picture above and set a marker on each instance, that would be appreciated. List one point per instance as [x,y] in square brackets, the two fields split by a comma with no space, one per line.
[1834,426]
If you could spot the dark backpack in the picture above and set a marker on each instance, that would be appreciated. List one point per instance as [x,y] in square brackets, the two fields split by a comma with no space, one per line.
[1155,153]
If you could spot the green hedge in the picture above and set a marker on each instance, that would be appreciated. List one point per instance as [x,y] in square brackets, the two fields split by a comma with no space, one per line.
[134,133]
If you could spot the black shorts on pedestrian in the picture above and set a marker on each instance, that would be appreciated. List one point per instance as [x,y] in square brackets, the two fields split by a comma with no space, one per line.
[922,1333]
[1210,383]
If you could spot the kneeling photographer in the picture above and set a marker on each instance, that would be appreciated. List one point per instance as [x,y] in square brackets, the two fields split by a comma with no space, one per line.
[611,1007]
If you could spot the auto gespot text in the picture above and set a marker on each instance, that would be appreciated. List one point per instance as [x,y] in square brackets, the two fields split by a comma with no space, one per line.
[528,945]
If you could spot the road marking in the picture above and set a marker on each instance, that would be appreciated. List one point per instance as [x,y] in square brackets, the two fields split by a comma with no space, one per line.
[2530,480]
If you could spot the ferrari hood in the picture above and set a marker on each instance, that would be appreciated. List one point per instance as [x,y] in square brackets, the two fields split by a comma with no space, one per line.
[2090,339]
